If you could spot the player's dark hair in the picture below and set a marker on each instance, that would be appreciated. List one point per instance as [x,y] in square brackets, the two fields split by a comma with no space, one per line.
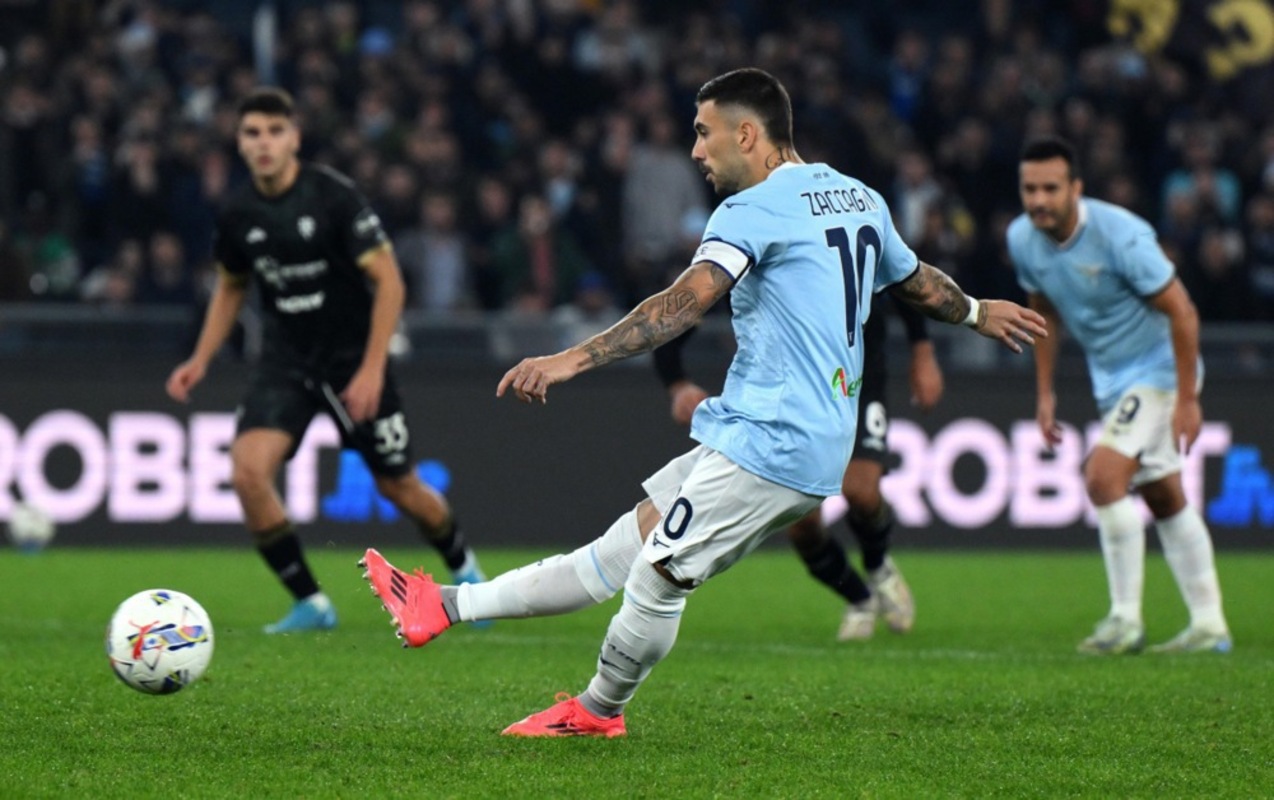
[1044,148]
[759,92]
[267,100]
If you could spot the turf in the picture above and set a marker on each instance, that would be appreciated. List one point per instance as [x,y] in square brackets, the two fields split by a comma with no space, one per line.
[986,698]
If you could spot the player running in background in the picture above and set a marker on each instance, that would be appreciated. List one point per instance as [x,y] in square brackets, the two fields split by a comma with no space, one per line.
[884,593]
[800,248]
[331,294]
[1098,268]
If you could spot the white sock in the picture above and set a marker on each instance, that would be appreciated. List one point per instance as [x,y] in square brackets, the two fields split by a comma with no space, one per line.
[1188,550]
[558,584]
[639,636]
[1123,546]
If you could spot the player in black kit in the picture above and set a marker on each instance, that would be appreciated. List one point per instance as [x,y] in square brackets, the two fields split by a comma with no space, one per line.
[331,294]
[884,594]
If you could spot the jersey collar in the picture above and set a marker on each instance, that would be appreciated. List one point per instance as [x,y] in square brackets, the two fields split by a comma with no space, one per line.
[1080,223]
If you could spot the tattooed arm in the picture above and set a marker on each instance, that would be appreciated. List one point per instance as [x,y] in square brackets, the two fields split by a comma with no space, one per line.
[656,320]
[933,292]
[935,295]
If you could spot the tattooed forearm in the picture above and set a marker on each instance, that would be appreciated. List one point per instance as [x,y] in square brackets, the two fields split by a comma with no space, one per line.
[935,294]
[658,319]
[661,317]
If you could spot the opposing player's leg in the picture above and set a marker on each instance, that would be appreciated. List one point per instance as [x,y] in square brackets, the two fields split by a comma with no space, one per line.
[826,561]
[256,456]
[871,520]
[433,516]
[385,444]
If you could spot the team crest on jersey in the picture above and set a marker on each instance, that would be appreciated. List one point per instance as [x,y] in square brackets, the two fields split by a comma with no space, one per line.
[1090,271]
[306,226]
[255,235]
[268,268]
[842,386]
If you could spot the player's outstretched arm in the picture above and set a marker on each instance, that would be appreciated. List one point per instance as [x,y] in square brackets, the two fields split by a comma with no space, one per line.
[656,320]
[223,309]
[938,297]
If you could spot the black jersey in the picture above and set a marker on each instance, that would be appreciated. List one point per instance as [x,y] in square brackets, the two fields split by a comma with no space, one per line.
[303,247]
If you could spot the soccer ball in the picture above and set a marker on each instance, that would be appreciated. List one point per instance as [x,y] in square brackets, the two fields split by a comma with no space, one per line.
[30,529]
[159,641]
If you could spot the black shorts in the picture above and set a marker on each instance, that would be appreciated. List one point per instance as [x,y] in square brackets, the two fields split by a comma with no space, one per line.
[873,419]
[287,400]
[873,422]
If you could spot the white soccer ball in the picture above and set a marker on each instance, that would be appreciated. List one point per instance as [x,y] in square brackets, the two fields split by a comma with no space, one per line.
[159,641]
[30,529]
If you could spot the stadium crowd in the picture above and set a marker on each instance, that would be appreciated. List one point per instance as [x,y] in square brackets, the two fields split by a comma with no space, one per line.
[533,155]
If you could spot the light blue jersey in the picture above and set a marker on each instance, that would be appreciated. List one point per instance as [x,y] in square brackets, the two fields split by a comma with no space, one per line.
[807,248]
[1099,281]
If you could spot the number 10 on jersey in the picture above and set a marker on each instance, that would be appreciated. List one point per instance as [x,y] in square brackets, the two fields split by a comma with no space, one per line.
[853,263]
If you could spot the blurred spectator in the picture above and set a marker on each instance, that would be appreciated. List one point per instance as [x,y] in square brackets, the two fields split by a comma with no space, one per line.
[1260,253]
[25,137]
[433,257]
[1215,188]
[190,202]
[915,191]
[591,311]
[1219,285]
[86,185]
[122,118]
[50,255]
[664,209]
[907,72]
[491,213]
[1182,227]
[15,275]
[167,279]
[114,284]
[537,262]
[139,206]
[395,200]
[617,45]
[981,182]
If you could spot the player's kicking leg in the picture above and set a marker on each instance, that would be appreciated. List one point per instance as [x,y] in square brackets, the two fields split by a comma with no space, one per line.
[423,609]
[414,601]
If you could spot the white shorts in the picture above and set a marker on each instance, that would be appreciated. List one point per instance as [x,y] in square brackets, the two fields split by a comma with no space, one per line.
[713,513]
[1140,427]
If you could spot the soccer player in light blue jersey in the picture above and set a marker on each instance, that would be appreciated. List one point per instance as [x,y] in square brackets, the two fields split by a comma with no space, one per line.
[1098,269]
[801,248]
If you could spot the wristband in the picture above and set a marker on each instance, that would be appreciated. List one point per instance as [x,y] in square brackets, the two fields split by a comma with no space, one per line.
[974,308]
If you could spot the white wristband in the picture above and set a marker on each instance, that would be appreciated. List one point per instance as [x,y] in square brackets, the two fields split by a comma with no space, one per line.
[974,307]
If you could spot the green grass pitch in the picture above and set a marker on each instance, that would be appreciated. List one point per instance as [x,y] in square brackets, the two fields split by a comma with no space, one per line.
[986,698]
